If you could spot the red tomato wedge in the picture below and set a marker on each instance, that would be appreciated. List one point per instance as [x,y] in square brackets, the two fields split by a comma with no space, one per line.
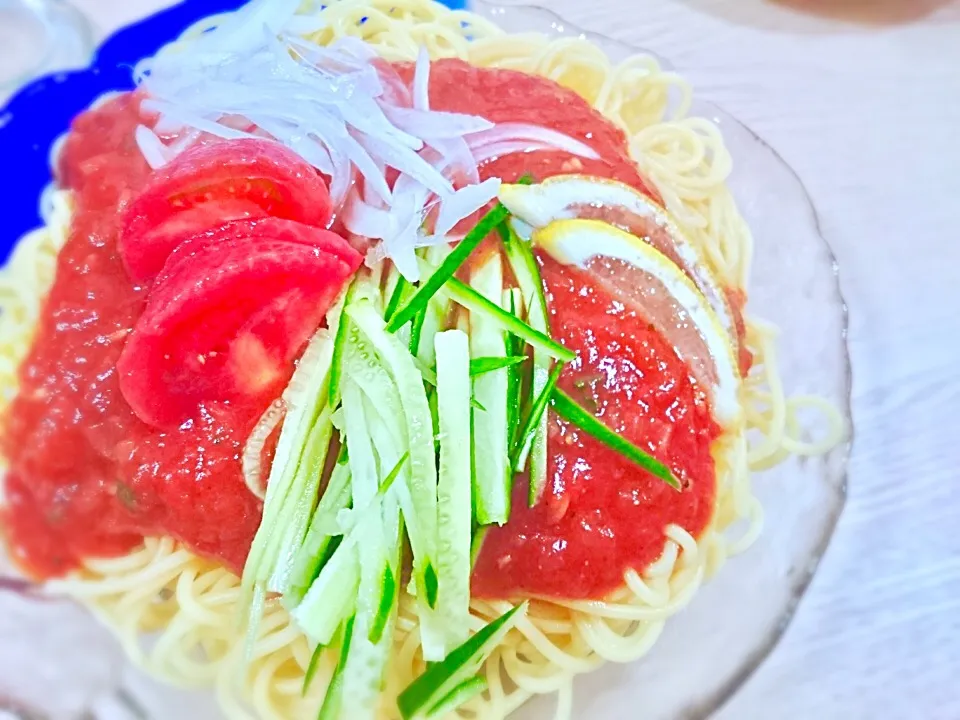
[263,228]
[228,324]
[209,185]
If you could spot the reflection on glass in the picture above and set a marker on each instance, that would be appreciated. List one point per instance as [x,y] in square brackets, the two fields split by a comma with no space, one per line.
[827,15]
[39,36]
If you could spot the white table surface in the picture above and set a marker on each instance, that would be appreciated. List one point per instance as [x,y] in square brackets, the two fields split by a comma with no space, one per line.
[869,116]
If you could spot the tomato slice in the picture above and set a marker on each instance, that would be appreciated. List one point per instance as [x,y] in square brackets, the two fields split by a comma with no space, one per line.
[263,228]
[211,184]
[228,324]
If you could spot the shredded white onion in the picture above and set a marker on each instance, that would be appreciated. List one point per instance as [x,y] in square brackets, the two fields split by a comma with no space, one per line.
[510,132]
[344,111]
[483,153]
[151,147]
[254,476]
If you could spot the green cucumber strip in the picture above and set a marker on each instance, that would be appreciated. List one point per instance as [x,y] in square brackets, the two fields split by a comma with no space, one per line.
[473,301]
[332,597]
[454,483]
[567,408]
[294,524]
[392,476]
[483,365]
[312,667]
[387,601]
[439,680]
[416,423]
[333,386]
[416,329]
[430,378]
[515,348]
[491,492]
[376,606]
[432,585]
[476,544]
[527,272]
[305,398]
[438,310]
[487,224]
[419,503]
[428,373]
[313,553]
[334,592]
[462,693]
[532,423]
[399,294]
[378,550]
[347,519]
[333,700]
[362,460]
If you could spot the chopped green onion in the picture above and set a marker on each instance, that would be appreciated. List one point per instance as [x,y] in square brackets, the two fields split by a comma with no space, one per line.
[448,267]
[567,408]
[532,423]
[473,301]
[483,365]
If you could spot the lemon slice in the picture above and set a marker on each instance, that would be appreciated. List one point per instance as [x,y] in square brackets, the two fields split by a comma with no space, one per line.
[565,197]
[645,279]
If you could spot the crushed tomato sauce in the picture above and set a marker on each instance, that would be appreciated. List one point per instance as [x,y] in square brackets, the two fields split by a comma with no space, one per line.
[87,478]
[600,514]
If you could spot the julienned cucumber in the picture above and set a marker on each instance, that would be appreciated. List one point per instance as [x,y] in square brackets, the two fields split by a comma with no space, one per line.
[436,313]
[314,551]
[421,512]
[333,700]
[290,495]
[492,475]
[462,693]
[488,223]
[379,557]
[332,597]
[293,526]
[454,484]
[436,684]
[527,272]
[467,297]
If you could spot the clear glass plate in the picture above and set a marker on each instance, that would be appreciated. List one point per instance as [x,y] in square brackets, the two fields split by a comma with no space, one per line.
[40,36]
[58,663]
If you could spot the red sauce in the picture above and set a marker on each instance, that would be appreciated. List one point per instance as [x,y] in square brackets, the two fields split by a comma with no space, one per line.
[87,478]
[600,514]
[511,96]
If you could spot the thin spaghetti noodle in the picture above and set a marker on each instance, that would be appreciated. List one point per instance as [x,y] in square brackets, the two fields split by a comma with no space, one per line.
[176,614]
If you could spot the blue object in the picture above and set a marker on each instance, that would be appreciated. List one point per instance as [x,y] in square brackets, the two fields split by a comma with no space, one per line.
[40,112]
